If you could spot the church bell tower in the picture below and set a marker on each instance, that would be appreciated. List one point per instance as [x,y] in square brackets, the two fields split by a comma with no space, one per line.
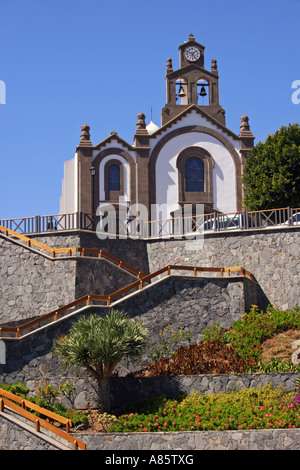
[192,84]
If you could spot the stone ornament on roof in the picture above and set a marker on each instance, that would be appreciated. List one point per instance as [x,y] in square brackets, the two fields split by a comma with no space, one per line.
[245,127]
[141,124]
[85,138]
[214,66]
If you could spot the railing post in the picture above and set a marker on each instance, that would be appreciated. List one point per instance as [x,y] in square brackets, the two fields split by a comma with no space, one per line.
[37,224]
[1,405]
[216,220]
[68,425]
[37,425]
[79,220]
[246,221]
[290,215]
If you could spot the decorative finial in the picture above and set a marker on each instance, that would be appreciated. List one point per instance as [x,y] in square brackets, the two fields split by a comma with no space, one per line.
[85,132]
[214,66]
[191,37]
[141,123]
[245,123]
[85,138]
[245,127]
[169,65]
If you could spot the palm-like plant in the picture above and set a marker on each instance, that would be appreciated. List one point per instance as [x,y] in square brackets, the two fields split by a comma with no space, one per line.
[99,343]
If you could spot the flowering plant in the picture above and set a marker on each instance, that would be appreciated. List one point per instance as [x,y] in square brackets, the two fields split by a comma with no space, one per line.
[266,408]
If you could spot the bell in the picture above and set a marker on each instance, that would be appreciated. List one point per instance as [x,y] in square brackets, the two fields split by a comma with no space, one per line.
[202,92]
[181,92]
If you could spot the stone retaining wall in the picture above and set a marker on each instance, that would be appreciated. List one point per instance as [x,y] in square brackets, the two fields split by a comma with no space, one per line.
[277,439]
[30,284]
[271,255]
[130,389]
[191,303]
[15,437]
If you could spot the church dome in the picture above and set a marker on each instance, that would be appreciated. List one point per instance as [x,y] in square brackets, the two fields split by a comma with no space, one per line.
[151,128]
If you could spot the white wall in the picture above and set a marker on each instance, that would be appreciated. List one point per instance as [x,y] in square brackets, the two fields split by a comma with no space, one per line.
[126,176]
[223,171]
[69,196]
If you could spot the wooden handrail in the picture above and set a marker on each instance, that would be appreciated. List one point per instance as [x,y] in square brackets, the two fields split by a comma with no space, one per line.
[54,251]
[8,400]
[107,298]
[28,404]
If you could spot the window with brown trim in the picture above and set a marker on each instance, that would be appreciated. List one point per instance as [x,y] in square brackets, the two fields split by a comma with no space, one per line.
[195,183]
[113,180]
[194,174]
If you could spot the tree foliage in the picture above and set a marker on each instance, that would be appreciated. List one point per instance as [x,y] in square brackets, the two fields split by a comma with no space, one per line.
[272,171]
[99,344]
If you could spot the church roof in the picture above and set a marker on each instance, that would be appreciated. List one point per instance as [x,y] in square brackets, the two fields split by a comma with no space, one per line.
[200,111]
[113,136]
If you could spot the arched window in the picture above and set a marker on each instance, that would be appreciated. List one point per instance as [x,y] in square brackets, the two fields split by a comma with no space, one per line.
[194,174]
[114,180]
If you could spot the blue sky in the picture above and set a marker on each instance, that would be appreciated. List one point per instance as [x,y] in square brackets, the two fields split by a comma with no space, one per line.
[66,63]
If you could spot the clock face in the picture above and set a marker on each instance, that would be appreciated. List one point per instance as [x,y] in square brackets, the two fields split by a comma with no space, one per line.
[192,53]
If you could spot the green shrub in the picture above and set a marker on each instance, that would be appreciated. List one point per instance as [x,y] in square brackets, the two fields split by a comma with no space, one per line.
[213,334]
[264,408]
[247,334]
[46,398]
[236,350]
[77,417]
[16,388]
[167,342]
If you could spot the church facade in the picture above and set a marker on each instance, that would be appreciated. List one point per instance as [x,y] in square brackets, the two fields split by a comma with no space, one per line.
[192,158]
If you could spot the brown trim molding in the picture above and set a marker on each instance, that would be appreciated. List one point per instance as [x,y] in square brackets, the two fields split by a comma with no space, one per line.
[200,197]
[132,176]
[204,130]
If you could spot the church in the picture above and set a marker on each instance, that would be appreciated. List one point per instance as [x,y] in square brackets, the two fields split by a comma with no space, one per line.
[192,158]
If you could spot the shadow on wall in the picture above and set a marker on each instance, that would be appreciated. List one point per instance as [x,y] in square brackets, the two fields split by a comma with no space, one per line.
[129,390]
[262,300]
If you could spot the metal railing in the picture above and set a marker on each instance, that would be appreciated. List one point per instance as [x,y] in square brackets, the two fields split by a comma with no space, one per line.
[176,226]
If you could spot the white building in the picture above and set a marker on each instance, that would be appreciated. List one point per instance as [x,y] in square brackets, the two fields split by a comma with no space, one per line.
[191,158]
